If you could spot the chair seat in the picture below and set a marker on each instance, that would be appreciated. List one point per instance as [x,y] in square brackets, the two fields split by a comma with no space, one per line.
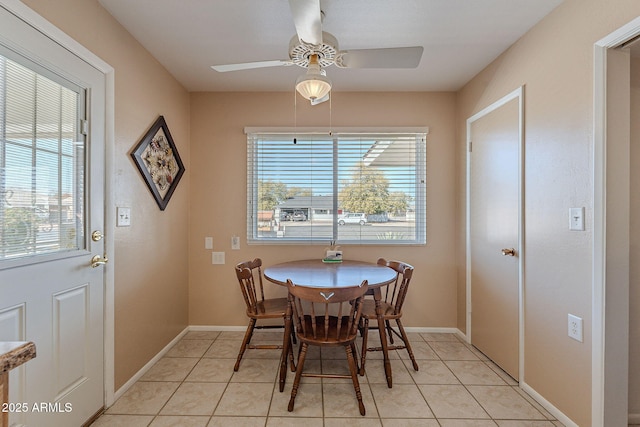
[329,335]
[369,310]
[273,307]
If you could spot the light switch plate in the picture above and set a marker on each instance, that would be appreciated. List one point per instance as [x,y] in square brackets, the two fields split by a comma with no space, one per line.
[217,257]
[123,217]
[576,219]
[235,243]
[208,242]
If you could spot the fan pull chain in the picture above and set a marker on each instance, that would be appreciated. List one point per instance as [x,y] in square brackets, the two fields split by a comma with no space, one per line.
[330,116]
[295,117]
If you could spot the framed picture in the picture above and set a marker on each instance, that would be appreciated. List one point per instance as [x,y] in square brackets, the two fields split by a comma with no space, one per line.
[159,163]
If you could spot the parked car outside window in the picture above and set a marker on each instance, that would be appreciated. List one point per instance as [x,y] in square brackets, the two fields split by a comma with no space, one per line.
[285,216]
[299,216]
[353,218]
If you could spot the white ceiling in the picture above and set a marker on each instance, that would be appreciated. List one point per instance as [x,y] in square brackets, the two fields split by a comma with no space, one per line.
[460,38]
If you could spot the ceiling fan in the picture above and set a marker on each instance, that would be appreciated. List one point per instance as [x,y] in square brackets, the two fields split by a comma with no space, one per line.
[314,49]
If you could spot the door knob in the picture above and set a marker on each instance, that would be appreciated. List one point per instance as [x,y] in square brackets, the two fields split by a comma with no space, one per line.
[98,260]
[508,252]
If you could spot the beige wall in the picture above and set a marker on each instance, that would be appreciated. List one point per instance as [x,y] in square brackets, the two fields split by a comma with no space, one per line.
[151,269]
[218,197]
[554,61]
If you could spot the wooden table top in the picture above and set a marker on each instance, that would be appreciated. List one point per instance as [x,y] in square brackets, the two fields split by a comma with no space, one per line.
[15,353]
[315,273]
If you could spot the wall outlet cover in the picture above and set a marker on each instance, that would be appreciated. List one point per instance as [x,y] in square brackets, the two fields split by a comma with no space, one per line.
[575,327]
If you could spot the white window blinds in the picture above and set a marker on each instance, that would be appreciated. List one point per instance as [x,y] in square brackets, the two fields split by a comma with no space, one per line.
[367,188]
[41,161]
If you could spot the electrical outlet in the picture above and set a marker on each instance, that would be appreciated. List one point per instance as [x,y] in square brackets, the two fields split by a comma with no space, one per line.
[575,327]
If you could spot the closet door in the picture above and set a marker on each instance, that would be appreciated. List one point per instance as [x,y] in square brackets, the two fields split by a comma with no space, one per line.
[494,221]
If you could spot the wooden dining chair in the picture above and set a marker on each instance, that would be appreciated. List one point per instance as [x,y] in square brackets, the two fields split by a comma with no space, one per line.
[391,306]
[249,275]
[327,317]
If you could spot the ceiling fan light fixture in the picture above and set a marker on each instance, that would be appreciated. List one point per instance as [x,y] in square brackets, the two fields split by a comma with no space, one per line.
[313,87]
[314,84]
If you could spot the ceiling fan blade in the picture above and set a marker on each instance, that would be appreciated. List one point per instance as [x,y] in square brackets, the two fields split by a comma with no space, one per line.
[307,18]
[250,65]
[394,57]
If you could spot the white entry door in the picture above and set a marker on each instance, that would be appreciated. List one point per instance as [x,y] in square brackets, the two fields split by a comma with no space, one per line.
[494,233]
[51,200]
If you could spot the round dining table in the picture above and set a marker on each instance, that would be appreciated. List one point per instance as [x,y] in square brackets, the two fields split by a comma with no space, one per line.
[318,274]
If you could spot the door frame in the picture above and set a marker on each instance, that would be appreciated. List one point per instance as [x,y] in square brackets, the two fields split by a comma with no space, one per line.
[48,29]
[519,95]
[610,279]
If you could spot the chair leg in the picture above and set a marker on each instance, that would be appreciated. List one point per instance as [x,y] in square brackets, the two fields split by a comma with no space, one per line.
[407,345]
[353,368]
[389,331]
[354,350]
[365,336]
[296,381]
[292,359]
[245,342]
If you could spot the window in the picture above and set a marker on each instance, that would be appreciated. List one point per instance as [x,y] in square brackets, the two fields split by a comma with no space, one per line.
[41,160]
[364,188]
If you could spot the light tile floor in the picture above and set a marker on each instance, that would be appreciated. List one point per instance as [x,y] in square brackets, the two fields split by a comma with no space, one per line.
[194,385]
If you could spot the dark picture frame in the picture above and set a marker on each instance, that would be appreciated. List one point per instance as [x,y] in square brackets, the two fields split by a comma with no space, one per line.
[157,159]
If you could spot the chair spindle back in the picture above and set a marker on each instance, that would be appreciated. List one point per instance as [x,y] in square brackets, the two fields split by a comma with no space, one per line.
[396,293]
[327,314]
[248,273]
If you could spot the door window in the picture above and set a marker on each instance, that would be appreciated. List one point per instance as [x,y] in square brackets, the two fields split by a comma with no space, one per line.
[42,160]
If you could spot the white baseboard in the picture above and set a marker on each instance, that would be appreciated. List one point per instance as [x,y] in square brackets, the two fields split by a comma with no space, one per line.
[566,421]
[416,330]
[148,366]
[206,328]
[432,330]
